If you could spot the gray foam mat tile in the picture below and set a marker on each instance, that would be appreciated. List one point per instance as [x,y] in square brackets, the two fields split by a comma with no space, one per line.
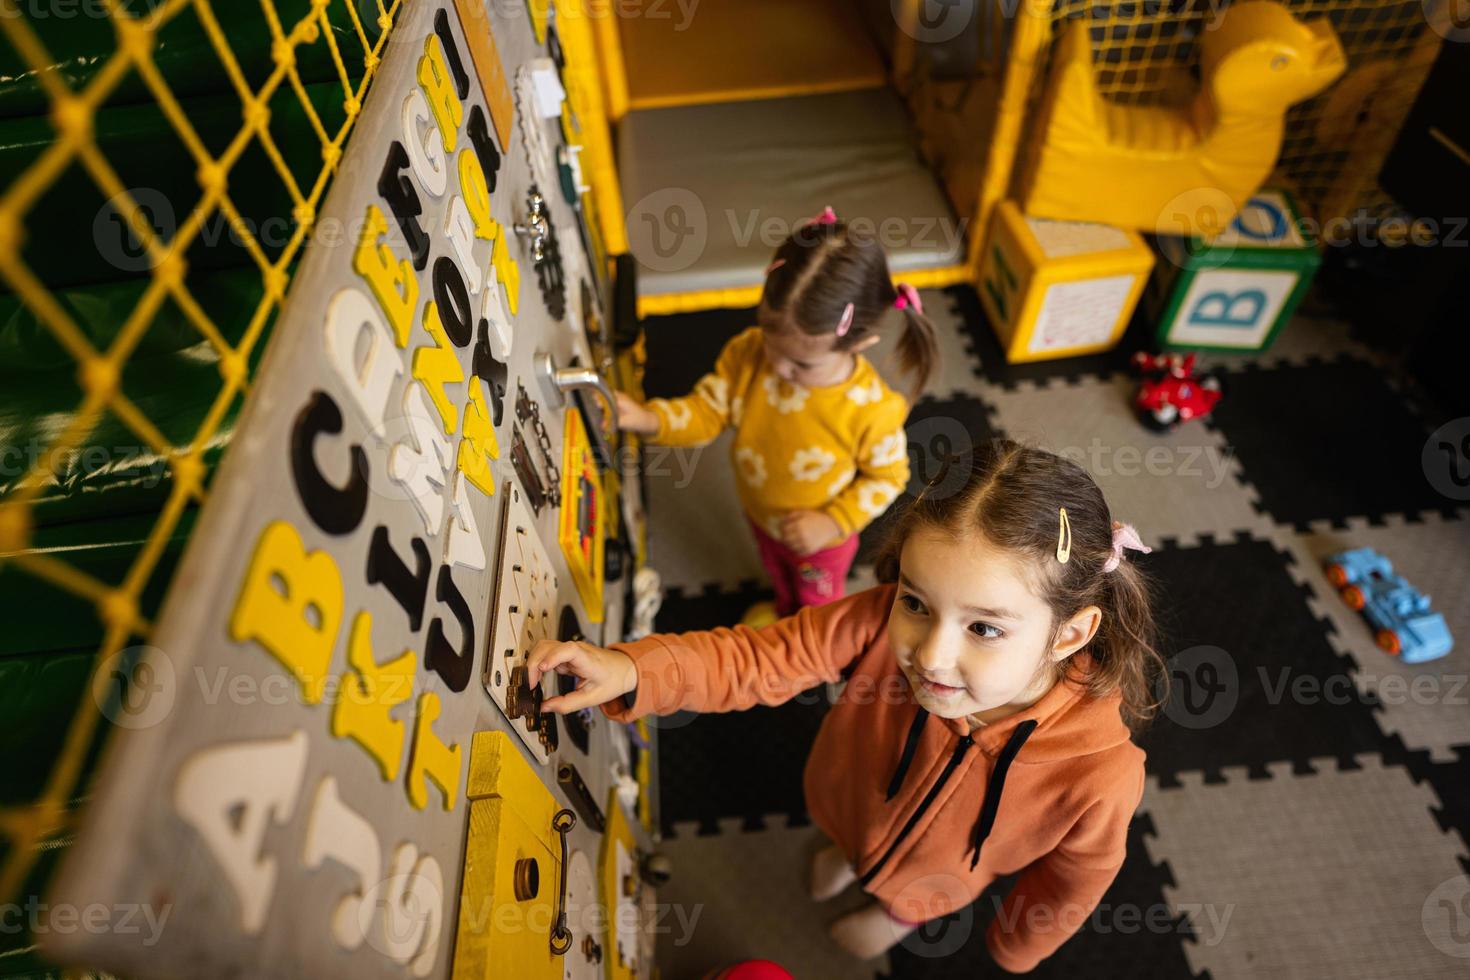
[744,896]
[1177,484]
[1428,704]
[698,532]
[1332,875]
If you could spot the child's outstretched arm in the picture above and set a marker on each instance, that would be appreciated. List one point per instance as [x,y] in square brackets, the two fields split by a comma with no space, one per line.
[882,469]
[698,417]
[726,669]
[1067,884]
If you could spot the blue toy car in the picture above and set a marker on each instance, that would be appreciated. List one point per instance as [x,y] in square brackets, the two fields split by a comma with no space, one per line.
[1403,624]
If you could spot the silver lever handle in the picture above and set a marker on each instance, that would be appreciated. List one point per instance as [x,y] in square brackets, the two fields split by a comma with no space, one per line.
[572,378]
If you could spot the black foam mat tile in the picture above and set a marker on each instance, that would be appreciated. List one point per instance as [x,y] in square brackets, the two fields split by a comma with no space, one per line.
[1132,933]
[1254,679]
[1326,441]
[1451,783]
[746,765]
[683,347]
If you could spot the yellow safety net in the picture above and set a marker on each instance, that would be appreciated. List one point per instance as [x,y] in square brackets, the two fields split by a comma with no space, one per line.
[31,829]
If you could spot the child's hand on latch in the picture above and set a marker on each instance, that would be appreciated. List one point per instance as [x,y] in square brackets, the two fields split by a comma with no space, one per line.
[634,417]
[605,674]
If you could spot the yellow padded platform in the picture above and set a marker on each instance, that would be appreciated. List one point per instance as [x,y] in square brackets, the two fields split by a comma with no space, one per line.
[682,52]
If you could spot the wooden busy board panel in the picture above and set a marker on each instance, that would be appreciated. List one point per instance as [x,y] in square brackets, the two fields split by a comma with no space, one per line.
[523,614]
[300,807]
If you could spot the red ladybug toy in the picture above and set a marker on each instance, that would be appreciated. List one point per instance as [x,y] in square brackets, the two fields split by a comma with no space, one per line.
[1170,392]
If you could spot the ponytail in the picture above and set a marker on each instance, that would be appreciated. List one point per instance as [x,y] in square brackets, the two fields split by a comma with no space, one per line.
[1125,650]
[918,351]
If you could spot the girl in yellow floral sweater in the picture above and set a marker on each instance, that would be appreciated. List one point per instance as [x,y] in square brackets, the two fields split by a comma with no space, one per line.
[819,446]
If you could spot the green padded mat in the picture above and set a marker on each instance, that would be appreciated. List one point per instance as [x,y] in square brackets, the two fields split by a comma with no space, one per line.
[44,618]
[101,501]
[172,377]
[79,42]
[87,240]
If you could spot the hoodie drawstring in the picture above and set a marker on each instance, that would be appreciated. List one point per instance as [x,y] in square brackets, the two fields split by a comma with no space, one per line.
[910,746]
[997,784]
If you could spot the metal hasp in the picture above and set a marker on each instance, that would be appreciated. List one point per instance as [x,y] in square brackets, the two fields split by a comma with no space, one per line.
[535,228]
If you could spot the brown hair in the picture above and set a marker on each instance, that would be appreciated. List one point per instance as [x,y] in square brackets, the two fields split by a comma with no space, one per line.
[818,270]
[1013,494]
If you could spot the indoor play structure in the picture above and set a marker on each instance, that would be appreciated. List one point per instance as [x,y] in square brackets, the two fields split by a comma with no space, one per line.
[321,750]
[745,115]
[312,314]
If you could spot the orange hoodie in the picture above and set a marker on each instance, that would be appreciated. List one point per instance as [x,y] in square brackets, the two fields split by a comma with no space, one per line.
[928,813]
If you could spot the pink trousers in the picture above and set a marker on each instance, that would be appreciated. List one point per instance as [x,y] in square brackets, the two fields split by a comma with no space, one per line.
[805,580]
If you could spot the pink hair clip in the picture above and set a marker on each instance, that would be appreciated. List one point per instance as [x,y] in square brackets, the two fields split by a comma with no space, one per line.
[1124,536]
[774,266]
[908,296]
[845,324]
[826,217]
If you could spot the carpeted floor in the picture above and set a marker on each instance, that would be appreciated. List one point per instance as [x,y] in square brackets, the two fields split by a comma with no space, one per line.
[1308,801]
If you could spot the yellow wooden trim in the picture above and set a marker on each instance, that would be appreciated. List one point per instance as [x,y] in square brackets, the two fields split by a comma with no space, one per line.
[740,297]
[620,930]
[584,84]
[664,304]
[755,92]
[610,56]
[905,48]
[938,277]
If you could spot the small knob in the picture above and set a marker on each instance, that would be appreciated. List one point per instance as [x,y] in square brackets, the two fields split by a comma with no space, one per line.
[656,869]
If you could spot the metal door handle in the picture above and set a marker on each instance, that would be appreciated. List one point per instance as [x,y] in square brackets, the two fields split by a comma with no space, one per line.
[572,378]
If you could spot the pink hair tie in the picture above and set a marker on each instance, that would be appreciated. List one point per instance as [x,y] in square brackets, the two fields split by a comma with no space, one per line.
[774,266]
[825,217]
[1124,536]
[908,296]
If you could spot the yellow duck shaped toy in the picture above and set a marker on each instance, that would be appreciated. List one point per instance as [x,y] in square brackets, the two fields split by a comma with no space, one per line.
[1186,170]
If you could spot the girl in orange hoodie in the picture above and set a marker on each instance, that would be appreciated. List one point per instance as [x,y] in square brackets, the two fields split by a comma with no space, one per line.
[984,726]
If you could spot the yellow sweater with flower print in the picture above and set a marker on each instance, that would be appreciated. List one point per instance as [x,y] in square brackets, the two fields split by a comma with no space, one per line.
[838,449]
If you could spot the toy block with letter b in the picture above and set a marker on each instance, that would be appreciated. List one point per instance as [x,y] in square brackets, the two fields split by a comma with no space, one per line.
[1235,292]
[1059,288]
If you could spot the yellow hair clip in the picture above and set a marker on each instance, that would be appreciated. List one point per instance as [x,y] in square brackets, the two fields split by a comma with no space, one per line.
[1064,537]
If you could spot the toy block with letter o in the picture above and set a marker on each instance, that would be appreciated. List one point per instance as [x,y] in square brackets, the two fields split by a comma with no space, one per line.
[1234,293]
[1059,288]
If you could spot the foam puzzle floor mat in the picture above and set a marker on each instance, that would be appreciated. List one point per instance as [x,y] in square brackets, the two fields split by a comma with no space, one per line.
[1308,801]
